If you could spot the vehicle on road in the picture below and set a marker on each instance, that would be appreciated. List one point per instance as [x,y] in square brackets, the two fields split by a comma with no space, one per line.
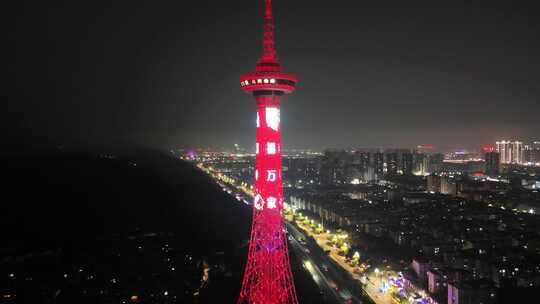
[324,267]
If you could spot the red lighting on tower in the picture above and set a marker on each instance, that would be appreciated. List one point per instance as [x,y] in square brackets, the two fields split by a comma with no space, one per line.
[268,277]
[488,148]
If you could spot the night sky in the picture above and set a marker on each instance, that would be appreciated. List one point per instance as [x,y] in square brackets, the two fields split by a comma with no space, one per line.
[166,73]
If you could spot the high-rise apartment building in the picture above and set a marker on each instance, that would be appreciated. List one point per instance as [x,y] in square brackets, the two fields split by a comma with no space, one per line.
[434,183]
[407,163]
[334,166]
[493,163]
[531,152]
[378,164]
[435,162]
[421,163]
[511,152]
[392,163]
[536,152]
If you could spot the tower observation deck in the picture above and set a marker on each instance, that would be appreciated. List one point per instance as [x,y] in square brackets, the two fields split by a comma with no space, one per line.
[267,79]
[267,276]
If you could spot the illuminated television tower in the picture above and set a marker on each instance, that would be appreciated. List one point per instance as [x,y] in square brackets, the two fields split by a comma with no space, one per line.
[267,277]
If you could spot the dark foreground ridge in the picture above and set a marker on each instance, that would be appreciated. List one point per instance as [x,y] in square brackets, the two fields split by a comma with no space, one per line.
[120,227]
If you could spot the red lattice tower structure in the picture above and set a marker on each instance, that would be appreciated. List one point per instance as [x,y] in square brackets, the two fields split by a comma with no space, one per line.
[267,277]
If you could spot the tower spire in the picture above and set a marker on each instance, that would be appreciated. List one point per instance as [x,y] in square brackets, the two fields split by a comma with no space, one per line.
[269,50]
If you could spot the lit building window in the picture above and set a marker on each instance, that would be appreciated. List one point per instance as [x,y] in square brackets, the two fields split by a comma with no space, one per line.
[271,148]
[272,118]
[272,80]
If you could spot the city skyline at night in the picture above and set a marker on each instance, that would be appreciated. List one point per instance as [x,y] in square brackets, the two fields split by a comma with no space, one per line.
[156,155]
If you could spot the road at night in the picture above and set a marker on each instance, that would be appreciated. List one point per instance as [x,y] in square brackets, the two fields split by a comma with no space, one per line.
[330,295]
[373,282]
[330,282]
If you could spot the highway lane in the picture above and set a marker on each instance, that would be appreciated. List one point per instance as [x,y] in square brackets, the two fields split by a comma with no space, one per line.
[371,289]
[328,279]
[325,285]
